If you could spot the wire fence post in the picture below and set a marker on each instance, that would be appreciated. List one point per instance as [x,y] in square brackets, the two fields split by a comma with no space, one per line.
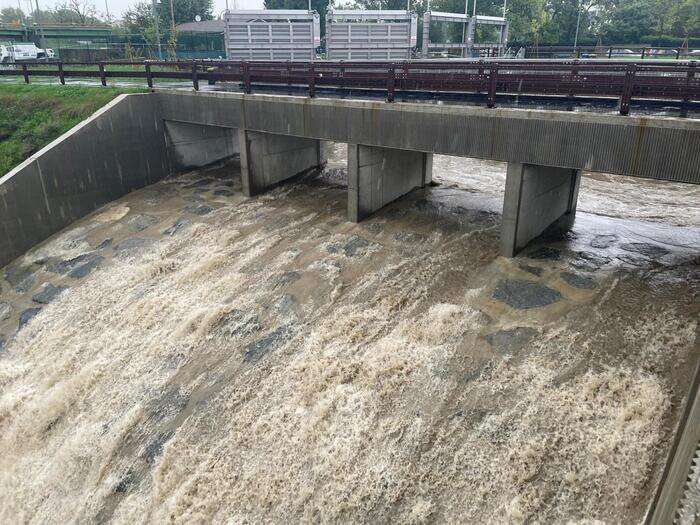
[61,75]
[25,73]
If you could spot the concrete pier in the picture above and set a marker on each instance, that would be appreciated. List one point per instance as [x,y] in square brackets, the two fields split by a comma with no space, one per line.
[377,176]
[535,198]
[268,159]
[196,145]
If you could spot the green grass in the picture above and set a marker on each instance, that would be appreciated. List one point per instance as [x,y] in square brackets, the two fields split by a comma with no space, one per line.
[34,115]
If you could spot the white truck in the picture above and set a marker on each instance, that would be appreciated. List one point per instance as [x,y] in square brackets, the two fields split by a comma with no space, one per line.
[22,52]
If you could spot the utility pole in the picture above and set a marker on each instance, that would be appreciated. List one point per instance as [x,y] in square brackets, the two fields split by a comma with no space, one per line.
[578,21]
[42,39]
[173,33]
[107,11]
[473,9]
[504,8]
[157,28]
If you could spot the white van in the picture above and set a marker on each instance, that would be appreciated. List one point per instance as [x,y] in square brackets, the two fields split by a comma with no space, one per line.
[21,52]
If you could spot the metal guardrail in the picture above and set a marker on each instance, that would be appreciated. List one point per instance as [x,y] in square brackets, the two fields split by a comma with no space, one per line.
[565,79]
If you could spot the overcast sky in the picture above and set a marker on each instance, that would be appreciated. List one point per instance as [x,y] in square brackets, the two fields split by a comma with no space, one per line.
[117,7]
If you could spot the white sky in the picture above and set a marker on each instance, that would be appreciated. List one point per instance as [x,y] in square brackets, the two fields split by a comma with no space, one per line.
[117,7]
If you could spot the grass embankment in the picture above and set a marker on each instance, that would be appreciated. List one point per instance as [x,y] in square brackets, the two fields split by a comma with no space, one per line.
[32,116]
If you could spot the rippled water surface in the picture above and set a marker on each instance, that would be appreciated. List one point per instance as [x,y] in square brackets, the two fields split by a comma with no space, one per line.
[186,354]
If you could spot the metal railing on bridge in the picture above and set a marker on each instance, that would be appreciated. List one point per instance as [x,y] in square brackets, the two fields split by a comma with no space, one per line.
[566,80]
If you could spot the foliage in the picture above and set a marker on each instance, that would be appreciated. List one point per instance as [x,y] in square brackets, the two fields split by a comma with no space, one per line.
[32,116]
[650,22]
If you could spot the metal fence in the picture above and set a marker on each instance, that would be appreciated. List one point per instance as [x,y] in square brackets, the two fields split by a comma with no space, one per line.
[568,80]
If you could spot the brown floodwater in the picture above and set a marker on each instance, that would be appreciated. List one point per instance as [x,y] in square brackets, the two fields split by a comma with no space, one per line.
[185,354]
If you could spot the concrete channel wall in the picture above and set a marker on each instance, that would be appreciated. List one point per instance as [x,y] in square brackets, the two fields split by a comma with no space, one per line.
[117,150]
[137,140]
[650,147]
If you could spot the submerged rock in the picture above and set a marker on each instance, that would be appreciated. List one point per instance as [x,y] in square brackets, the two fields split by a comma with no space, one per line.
[645,248]
[201,183]
[132,245]
[545,252]
[27,315]
[5,311]
[603,241]
[510,341]
[578,281]
[223,193]
[200,209]
[286,278]
[105,244]
[47,293]
[179,225]
[76,267]
[141,222]
[521,294]
[354,245]
[534,270]
[21,278]
[255,351]
[155,447]
[84,269]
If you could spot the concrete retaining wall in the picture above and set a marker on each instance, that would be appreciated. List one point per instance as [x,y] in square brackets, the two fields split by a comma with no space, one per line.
[649,147]
[117,150]
[124,147]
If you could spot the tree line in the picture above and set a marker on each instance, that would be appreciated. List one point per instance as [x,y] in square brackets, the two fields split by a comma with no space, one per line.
[532,22]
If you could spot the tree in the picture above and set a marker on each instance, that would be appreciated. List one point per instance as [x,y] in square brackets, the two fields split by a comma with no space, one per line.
[139,18]
[75,12]
[11,15]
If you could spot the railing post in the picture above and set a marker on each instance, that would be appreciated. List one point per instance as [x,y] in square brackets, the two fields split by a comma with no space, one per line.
[686,93]
[481,74]
[678,53]
[245,67]
[195,78]
[312,80]
[390,84]
[493,77]
[572,85]
[61,75]
[103,78]
[627,90]
[644,50]
[25,73]
[610,52]
[149,76]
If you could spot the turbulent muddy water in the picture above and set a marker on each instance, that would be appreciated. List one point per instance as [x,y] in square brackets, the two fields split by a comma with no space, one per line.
[186,354]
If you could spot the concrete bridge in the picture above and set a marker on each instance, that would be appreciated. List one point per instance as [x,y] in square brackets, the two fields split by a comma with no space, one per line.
[139,139]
